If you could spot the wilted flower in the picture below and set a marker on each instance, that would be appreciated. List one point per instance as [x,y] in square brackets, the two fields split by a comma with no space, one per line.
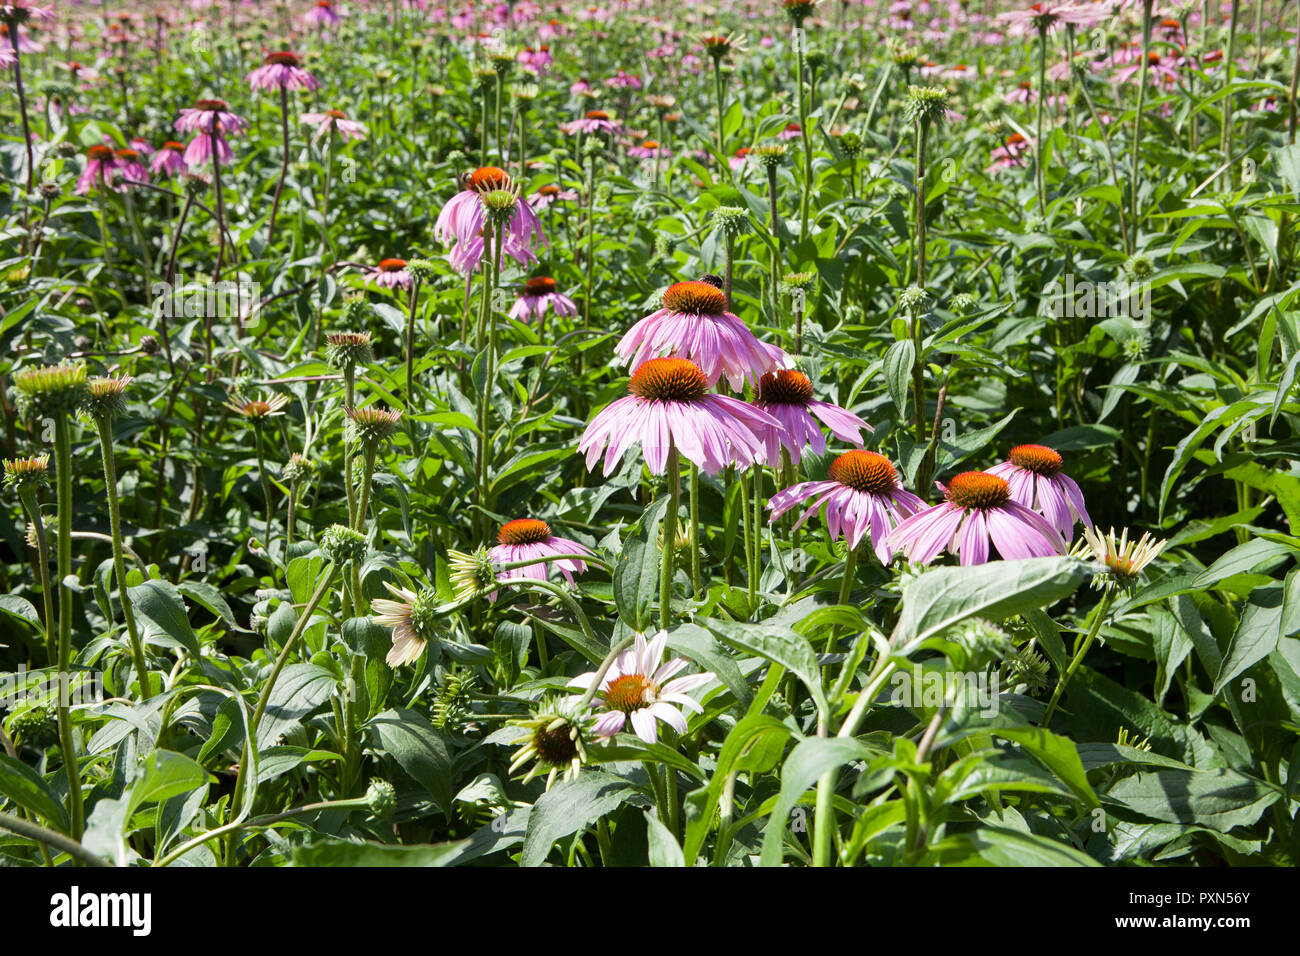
[24,473]
[554,742]
[50,390]
[412,619]
[1121,561]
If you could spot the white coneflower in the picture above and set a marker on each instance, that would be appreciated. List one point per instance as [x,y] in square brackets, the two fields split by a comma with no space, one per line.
[259,408]
[412,620]
[639,689]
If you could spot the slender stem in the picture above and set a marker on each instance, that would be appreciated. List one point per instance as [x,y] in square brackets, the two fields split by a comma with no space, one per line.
[284,162]
[50,838]
[1042,104]
[28,498]
[1134,212]
[322,588]
[119,563]
[669,537]
[22,105]
[63,475]
[1099,615]
[695,529]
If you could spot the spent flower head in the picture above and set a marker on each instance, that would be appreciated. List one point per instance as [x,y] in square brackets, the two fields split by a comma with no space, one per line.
[554,742]
[50,390]
[928,104]
[347,350]
[342,545]
[106,397]
[24,473]
[372,425]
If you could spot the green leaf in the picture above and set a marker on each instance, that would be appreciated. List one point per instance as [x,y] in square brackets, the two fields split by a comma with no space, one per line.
[810,758]
[898,370]
[1256,636]
[664,849]
[300,690]
[938,599]
[347,853]
[698,645]
[995,846]
[781,645]
[165,774]
[568,807]
[420,750]
[1057,753]
[1219,799]
[164,617]
[636,572]
[27,788]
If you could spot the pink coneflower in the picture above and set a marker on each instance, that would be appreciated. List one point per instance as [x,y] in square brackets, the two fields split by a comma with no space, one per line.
[861,496]
[130,164]
[1033,473]
[623,80]
[694,323]
[595,121]
[786,395]
[1024,93]
[390,274]
[738,160]
[1048,16]
[23,11]
[1160,70]
[463,218]
[670,405]
[202,119]
[1010,152]
[282,70]
[637,687]
[526,538]
[538,295]
[549,194]
[168,160]
[649,149]
[322,14]
[535,60]
[334,120]
[100,163]
[579,87]
[791,131]
[977,509]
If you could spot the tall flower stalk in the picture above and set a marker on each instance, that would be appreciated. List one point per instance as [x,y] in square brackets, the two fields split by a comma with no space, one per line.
[54,393]
[105,401]
[25,475]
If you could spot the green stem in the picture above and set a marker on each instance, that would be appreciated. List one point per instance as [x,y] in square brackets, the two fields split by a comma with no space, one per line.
[119,563]
[669,537]
[63,475]
[1099,615]
[322,588]
[28,498]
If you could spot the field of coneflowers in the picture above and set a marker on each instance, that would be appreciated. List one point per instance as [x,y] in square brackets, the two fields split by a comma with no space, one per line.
[638,433]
